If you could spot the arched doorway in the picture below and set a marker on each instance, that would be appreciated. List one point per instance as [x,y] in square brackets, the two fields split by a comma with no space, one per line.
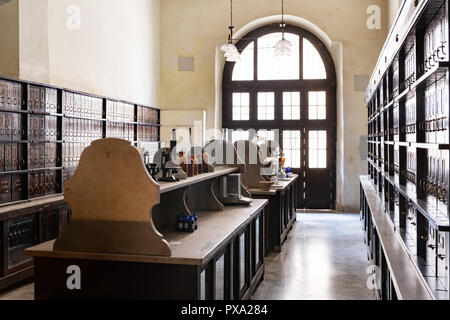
[296,96]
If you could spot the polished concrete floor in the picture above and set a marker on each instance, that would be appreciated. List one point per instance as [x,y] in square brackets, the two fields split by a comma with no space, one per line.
[324,258]
[21,291]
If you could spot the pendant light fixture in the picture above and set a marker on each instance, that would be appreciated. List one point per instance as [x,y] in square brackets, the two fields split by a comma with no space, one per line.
[231,52]
[283,47]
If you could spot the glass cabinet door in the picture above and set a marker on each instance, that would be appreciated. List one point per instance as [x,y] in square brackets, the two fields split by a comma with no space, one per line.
[242,261]
[20,236]
[220,278]
[203,285]
[257,244]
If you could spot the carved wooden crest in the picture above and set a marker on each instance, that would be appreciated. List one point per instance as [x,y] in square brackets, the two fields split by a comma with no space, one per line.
[112,195]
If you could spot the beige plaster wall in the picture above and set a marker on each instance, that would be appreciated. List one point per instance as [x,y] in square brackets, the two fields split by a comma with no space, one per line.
[393,7]
[114,53]
[33,40]
[9,39]
[196,27]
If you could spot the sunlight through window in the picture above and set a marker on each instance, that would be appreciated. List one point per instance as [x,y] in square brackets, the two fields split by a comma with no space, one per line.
[280,68]
[243,70]
[313,66]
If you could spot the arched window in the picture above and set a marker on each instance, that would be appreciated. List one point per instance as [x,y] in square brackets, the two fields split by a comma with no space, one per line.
[294,95]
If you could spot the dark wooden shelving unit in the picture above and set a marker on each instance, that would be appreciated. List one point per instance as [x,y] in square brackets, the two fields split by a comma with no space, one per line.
[408,163]
[43,131]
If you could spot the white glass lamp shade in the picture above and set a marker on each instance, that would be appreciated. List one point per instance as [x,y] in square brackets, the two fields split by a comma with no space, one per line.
[233,57]
[228,47]
[283,43]
[283,48]
[282,52]
[231,52]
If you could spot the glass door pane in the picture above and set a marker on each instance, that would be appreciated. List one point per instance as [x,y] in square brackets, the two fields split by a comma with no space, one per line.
[317,149]
[291,148]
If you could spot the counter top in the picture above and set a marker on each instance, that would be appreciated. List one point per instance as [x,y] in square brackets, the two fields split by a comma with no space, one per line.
[31,203]
[219,171]
[215,228]
[281,186]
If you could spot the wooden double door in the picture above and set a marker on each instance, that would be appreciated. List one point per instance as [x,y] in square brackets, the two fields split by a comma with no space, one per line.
[316,185]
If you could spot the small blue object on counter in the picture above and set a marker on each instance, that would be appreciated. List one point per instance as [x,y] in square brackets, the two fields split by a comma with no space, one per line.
[186,222]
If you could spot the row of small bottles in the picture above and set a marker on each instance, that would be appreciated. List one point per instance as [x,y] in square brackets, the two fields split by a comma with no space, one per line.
[186,222]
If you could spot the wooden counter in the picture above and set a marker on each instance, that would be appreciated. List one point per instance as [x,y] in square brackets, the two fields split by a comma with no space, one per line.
[282,211]
[215,229]
[190,273]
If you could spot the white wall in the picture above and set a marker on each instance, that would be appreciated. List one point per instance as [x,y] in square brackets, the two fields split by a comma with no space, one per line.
[33,41]
[9,39]
[115,53]
[393,7]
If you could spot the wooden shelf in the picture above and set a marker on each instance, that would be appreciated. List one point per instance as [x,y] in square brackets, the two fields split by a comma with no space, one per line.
[219,171]
[437,72]
[30,203]
[215,228]
[436,216]
[84,118]
[407,16]
[402,95]
[421,145]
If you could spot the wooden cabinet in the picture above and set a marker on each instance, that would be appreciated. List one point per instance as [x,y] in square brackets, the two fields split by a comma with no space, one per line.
[22,227]
[281,212]
[223,274]
[408,161]
[43,131]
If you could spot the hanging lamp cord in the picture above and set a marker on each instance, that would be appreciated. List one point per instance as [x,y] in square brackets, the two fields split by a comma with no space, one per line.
[231,27]
[231,12]
[282,18]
